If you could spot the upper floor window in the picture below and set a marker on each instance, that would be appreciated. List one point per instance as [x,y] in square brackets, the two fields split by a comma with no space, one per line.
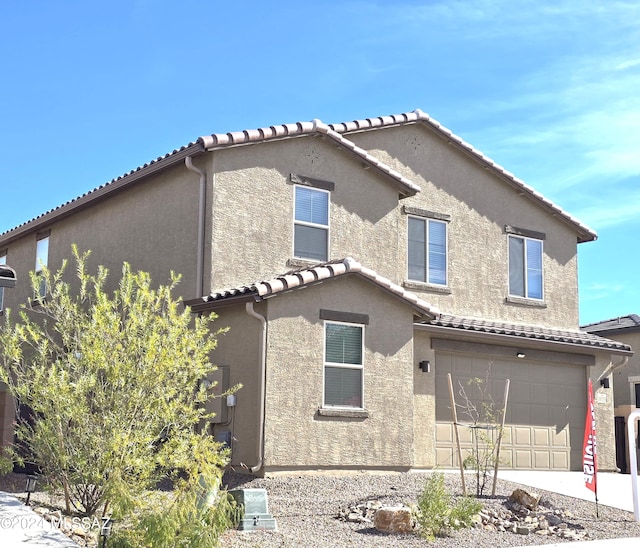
[42,261]
[525,267]
[311,224]
[3,260]
[427,256]
[343,365]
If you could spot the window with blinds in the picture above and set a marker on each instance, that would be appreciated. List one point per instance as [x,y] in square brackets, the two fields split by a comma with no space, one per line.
[427,251]
[343,365]
[311,224]
[525,267]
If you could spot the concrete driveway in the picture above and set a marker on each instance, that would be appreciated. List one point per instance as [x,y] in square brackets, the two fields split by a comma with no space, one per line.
[21,526]
[613,489]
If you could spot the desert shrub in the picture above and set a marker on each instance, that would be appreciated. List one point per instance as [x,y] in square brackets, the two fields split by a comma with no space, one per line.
[113,382]
[437,513]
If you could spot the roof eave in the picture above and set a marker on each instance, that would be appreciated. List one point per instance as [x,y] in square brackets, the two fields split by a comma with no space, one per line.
[315,128]
[584,233]
[204,304]
[517,340]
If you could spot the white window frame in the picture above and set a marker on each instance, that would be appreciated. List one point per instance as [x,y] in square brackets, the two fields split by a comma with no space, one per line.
[326,364]
[326,227]
[42,261]
[525,260]
[3,261]
[426,221]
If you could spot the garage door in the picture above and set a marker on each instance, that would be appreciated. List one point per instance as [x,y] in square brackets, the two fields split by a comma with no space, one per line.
[545,413]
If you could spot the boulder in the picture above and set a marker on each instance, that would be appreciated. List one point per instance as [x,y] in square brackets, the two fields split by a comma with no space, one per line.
[393,519]
[526,499]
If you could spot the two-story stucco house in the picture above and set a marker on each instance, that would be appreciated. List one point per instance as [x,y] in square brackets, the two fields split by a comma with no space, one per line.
[356,265]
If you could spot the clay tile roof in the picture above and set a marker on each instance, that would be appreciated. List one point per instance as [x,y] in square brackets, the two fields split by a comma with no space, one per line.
[534,332]
[614,325]
[337,133]
[315,127]
[585,234]
[297,279]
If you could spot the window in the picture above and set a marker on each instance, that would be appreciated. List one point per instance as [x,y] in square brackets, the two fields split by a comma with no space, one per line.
[42,260]
[311,225]
[343,366]
[427,251]
[525,267]
[3,260]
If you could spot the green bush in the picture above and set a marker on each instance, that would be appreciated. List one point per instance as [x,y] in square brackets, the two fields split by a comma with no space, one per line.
[437,514]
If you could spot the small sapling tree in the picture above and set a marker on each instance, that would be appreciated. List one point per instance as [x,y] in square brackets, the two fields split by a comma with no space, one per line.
[486,428]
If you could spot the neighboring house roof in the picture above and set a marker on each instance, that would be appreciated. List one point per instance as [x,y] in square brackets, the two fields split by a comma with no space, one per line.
[530,332]
[335,132]
[617,325]
[585,234]
[303,277]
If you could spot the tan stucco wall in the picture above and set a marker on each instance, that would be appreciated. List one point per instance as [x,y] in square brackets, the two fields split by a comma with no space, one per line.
[254,201]
[296,436]
[239,349]
[480,205]
[424,403]
[605,425]
[152,225]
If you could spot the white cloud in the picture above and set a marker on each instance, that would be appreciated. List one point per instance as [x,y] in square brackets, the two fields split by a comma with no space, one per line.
[599,291]
[610,210]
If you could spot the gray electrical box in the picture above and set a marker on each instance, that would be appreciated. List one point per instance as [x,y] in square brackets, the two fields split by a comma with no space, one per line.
[256,515]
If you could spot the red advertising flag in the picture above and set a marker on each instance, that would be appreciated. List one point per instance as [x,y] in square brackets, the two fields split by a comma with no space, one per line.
[589,461]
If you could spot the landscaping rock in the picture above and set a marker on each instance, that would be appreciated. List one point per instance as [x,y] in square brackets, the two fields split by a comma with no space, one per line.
[529,500]
[393,519]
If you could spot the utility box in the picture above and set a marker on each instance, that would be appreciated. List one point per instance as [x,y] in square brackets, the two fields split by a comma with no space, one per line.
[256,516]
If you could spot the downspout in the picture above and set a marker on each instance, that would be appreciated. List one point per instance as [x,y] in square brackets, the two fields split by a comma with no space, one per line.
[201,218]
[263,368]
[613,367]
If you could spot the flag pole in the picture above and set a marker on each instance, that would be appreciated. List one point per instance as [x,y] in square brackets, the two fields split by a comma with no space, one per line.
[589,453]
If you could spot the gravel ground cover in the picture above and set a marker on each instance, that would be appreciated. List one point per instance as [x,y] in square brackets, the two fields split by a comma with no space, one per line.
[306,508]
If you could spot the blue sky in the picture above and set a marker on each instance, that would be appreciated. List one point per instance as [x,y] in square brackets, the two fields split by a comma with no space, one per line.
[548,89]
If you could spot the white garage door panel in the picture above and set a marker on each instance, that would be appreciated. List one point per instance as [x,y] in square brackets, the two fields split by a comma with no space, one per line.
[545,412]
